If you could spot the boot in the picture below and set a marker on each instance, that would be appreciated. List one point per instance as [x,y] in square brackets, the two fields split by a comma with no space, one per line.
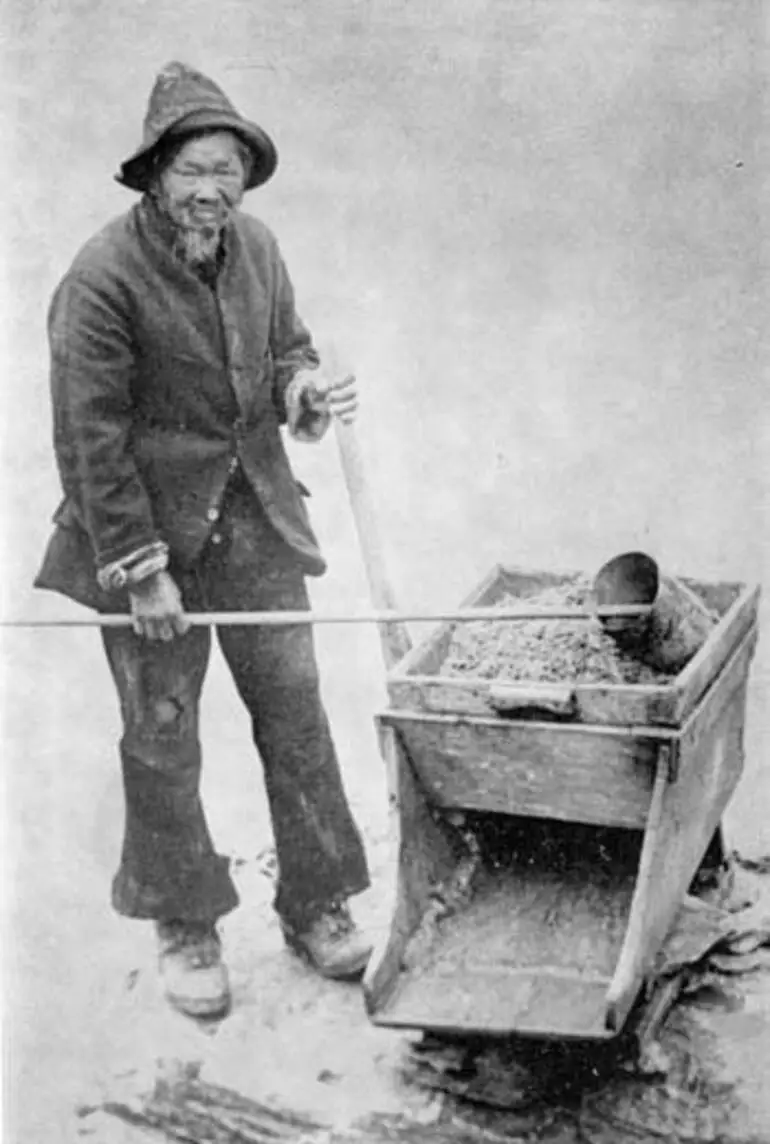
[331,943]
[194,977]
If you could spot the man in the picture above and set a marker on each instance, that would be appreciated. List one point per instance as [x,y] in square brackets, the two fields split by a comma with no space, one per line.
[176,354]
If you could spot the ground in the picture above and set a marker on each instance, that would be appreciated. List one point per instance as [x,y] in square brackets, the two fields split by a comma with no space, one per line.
[86,1023]
[533,230]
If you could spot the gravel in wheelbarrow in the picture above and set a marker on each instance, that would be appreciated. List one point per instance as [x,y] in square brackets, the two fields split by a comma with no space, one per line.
[553,651]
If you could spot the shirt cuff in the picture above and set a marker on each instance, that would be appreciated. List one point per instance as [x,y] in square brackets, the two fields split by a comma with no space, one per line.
[134,568]
[306,421]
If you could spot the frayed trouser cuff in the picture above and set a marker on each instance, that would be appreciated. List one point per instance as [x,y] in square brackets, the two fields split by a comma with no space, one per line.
[204,898]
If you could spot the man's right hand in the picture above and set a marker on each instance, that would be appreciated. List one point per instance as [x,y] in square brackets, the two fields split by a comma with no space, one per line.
[156,607]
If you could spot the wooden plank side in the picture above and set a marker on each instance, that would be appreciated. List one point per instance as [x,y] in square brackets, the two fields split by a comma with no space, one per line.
[686,814]
[421,857]
[575,774]
[439,695]
[634,958]
[532,911]
[532,953]
[499,1002]
[604,705]
[416,684]
[718,596]
[691,683]
[527,581]
[616,704]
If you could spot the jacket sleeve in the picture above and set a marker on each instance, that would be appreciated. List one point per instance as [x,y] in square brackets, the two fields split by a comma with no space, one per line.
[92,368]
[293,356]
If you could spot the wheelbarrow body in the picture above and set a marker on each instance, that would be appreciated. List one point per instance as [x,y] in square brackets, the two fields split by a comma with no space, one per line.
[543,851]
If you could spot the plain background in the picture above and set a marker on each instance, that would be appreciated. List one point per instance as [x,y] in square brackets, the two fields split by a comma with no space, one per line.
[534,228]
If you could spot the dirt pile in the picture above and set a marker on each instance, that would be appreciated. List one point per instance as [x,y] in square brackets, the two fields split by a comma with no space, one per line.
[552,651]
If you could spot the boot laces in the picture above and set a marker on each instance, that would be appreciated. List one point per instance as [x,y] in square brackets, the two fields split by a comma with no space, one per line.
[337,921]
[197,942]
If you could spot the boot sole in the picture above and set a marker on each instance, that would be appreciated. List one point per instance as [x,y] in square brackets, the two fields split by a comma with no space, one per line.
[200,1011]
[353,972]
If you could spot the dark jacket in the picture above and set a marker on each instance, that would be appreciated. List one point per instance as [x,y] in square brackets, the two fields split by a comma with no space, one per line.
[160,385]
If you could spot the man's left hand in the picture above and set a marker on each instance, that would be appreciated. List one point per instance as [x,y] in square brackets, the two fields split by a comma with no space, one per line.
[339,397]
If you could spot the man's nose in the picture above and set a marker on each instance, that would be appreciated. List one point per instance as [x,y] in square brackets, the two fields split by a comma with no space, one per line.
[207,190]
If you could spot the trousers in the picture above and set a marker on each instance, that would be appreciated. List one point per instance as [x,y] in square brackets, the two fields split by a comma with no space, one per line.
[169,868]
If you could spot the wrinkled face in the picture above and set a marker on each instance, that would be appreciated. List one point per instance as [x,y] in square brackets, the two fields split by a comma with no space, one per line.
[200,187]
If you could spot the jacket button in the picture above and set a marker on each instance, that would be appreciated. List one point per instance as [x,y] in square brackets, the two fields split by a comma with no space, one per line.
[212,515]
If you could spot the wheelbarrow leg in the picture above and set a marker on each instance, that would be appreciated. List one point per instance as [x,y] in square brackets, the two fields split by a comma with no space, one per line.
[714,876]
[717,867]
[423,855]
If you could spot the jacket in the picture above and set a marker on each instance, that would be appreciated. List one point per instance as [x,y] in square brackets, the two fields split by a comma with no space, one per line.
[162,386]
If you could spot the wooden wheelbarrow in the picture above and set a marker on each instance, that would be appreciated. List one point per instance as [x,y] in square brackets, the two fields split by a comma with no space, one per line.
[544,837]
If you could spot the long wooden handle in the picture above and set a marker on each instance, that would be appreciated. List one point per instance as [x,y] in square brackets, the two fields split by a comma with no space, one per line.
[386,619]
[394,636]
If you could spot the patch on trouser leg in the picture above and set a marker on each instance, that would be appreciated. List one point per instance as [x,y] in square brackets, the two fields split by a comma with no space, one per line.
[160,709]
[158,688]
[162,732]
[168,713]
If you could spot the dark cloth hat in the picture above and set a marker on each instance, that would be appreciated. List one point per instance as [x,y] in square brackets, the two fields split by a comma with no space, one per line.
[183,102]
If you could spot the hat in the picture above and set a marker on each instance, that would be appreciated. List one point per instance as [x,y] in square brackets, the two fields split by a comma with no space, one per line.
[182,102]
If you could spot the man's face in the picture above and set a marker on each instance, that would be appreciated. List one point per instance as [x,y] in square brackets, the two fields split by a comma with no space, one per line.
[201,187]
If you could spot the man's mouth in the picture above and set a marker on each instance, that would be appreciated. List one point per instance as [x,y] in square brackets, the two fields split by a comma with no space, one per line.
[206,216]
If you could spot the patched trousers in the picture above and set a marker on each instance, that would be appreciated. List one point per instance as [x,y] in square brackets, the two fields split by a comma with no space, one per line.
[169,868]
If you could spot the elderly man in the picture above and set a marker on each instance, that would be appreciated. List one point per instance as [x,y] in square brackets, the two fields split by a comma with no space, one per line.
[177,354]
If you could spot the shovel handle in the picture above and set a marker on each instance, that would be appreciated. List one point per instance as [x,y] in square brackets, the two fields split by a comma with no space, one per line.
[394,636]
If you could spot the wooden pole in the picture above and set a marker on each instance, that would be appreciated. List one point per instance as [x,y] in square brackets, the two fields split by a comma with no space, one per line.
[385,619]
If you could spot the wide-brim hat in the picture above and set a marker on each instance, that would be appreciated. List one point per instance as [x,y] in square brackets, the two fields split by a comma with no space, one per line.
[183,102]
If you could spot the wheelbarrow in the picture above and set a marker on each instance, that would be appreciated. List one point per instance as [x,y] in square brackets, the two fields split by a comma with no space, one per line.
[544,837]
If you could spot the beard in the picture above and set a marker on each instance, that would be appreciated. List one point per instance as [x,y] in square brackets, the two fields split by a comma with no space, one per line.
[198,246]
[196,243]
